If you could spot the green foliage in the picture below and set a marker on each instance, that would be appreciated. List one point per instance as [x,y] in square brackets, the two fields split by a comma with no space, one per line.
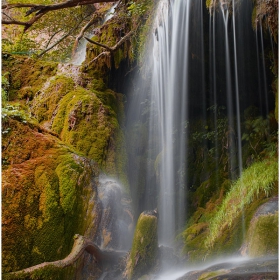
[141,40]
[260,137]
[14,111]
[55,31]
[258,178]
[137,9]
[23,45]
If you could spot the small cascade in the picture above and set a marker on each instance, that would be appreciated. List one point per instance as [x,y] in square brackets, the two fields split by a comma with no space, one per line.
[116,219]
[81,51]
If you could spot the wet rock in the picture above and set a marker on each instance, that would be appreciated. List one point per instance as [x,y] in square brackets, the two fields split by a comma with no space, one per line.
[260,268]
[262,236]
[144,250]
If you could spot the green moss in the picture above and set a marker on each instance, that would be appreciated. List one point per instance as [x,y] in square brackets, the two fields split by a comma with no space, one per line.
[27,75]
[45,198]
[89,122]
[208,4]
[144,248]
[68,172]
[263,236]
[44,104]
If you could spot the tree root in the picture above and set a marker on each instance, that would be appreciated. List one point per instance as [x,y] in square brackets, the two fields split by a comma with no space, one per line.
[80,245]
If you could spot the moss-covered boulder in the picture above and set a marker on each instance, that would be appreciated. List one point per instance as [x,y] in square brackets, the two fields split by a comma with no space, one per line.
[144,249]
[86,119]
[262,235]
[48,195]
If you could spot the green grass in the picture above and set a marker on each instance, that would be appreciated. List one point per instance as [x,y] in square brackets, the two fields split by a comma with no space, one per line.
[259,177]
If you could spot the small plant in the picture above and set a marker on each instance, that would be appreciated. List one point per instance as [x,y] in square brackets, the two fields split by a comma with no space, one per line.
[260,136]
[13,111]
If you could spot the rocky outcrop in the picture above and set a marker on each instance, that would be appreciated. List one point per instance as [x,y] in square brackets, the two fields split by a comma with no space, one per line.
[144,251]
[115,229]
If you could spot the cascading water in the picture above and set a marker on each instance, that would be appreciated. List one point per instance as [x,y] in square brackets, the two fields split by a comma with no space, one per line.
[198,74]
[116,218]
[80,55]
[170,82]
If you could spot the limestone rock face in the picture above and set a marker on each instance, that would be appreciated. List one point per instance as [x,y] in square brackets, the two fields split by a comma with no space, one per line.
[144,250]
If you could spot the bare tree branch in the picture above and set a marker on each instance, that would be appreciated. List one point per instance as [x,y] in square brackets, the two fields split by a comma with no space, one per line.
[41,10]
[110,49]
[52,36]
[116,46]
[61,39]
[100,55]
[94,19]
[99,44]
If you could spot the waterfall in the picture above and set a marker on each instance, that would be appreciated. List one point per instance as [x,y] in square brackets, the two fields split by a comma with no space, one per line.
[170,82]
[201,74]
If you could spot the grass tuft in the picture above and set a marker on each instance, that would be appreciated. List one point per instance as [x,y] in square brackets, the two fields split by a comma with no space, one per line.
[259,177]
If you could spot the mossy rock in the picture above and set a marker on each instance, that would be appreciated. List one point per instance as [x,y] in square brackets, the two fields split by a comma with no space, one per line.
[230,237]
[26,75]
[262,235]
[92,127]
[48,195]
[110,34]
[144,250]
[89,120]
[45,103]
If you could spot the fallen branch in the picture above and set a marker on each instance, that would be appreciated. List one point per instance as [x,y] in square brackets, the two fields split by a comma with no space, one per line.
[80,245]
